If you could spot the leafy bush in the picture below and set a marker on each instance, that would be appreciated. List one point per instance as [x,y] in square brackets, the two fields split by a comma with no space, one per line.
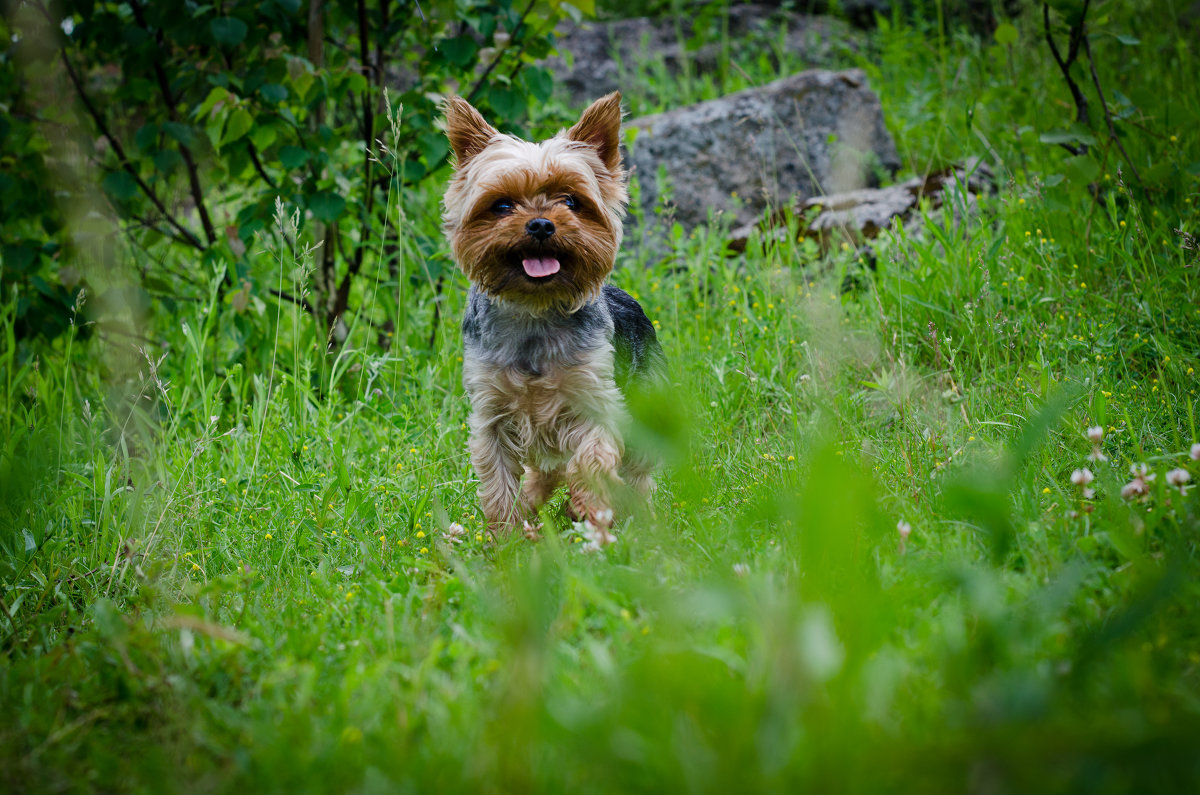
[195,120]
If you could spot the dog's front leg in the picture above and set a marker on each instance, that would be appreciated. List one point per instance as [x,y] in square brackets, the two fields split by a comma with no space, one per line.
[499,473]
[592,475]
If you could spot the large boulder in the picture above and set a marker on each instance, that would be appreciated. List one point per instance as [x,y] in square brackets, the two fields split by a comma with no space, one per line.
[597,57]
[810,134]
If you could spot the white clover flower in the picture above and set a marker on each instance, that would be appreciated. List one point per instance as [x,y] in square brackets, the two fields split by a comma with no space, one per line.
[741,569]
[454,533]
[904,529]
[1195,452]
[1135,488]
[597,536]
[1179,478]
[1096,434]
[1141,471]
[1082,477]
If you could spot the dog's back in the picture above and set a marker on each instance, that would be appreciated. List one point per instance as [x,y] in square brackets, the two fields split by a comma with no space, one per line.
[639,357]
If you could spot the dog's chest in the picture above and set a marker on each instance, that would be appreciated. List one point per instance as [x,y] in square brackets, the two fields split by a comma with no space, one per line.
[538,415]
[535,381]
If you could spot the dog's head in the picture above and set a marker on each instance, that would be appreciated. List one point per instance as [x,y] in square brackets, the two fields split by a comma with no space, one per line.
[536,223]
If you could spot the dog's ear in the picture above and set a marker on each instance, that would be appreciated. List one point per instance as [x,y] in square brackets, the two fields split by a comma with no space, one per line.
[466,129]
[600,128]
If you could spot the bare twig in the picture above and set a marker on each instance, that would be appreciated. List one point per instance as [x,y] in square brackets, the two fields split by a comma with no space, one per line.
[258,166]
[164,88]
[1076,37]
[297,300]
[1108,120]
[184,235]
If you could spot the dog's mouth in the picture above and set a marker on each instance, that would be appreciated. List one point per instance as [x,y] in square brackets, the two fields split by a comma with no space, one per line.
[539,266]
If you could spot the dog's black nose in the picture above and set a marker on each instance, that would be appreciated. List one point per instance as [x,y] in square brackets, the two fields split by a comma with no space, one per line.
[540,228]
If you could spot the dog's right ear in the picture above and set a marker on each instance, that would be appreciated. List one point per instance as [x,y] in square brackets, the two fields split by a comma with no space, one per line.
[466,129]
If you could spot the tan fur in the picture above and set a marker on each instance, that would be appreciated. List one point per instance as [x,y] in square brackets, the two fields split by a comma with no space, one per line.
[562,422]
[583,162]
[539,424]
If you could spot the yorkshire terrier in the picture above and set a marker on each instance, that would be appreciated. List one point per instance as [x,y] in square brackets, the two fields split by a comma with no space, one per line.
[550,349]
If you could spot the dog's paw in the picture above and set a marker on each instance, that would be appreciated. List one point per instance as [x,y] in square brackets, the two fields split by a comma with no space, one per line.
[532,531]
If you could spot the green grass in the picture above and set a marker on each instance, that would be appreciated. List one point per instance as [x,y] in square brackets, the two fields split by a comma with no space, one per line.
[227,571]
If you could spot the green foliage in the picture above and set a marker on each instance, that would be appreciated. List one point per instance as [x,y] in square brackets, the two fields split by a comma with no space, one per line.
[32,234]
[200,118]
[242,578]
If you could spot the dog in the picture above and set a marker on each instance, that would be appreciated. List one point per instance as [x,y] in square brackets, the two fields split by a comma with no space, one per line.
[550,349]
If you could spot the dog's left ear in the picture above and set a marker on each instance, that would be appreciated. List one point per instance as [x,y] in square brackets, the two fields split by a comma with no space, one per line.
[600,128]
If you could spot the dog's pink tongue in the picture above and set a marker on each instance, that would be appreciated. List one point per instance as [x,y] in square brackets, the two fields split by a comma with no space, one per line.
[537,267]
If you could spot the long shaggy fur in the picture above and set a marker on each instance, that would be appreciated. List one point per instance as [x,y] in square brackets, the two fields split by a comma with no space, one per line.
[543,355]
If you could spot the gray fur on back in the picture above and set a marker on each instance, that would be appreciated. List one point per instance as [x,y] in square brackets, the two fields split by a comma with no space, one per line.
[501,334]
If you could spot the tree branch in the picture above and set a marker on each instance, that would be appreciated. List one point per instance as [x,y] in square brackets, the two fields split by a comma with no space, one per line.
[297,300]
[185,235]
[258,166]
[1112,130]
[1064,66]
[368,133]
[499,55]
[164,87]
[148,223]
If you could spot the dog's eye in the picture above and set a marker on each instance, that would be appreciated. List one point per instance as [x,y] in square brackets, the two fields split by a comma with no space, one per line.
[570,202]
[502,206]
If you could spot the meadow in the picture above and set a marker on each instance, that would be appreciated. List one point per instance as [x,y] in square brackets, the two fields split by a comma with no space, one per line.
[873,563]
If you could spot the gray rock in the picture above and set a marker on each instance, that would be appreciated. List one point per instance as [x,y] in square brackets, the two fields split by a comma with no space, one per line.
[810,134]
[857,216]
[599,57]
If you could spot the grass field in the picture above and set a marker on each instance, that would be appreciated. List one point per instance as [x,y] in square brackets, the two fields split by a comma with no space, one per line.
[868,568]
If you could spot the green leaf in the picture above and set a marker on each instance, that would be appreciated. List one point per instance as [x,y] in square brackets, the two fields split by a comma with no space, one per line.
[1100,408]
[1006,34]
[326,206]
[433,146]
[459,50]
[292,157]
[182,133]
[228,31]
[18,258]
[586,7]
[539,82]
[263,136]
[301,83]
[213,128]
[120,185]
[356,83]
[1081,170]
[146,137]
[273,93]
[1077,135]
[217,95]
[507,101]
[1129,40]
[238,125]
[167,160]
